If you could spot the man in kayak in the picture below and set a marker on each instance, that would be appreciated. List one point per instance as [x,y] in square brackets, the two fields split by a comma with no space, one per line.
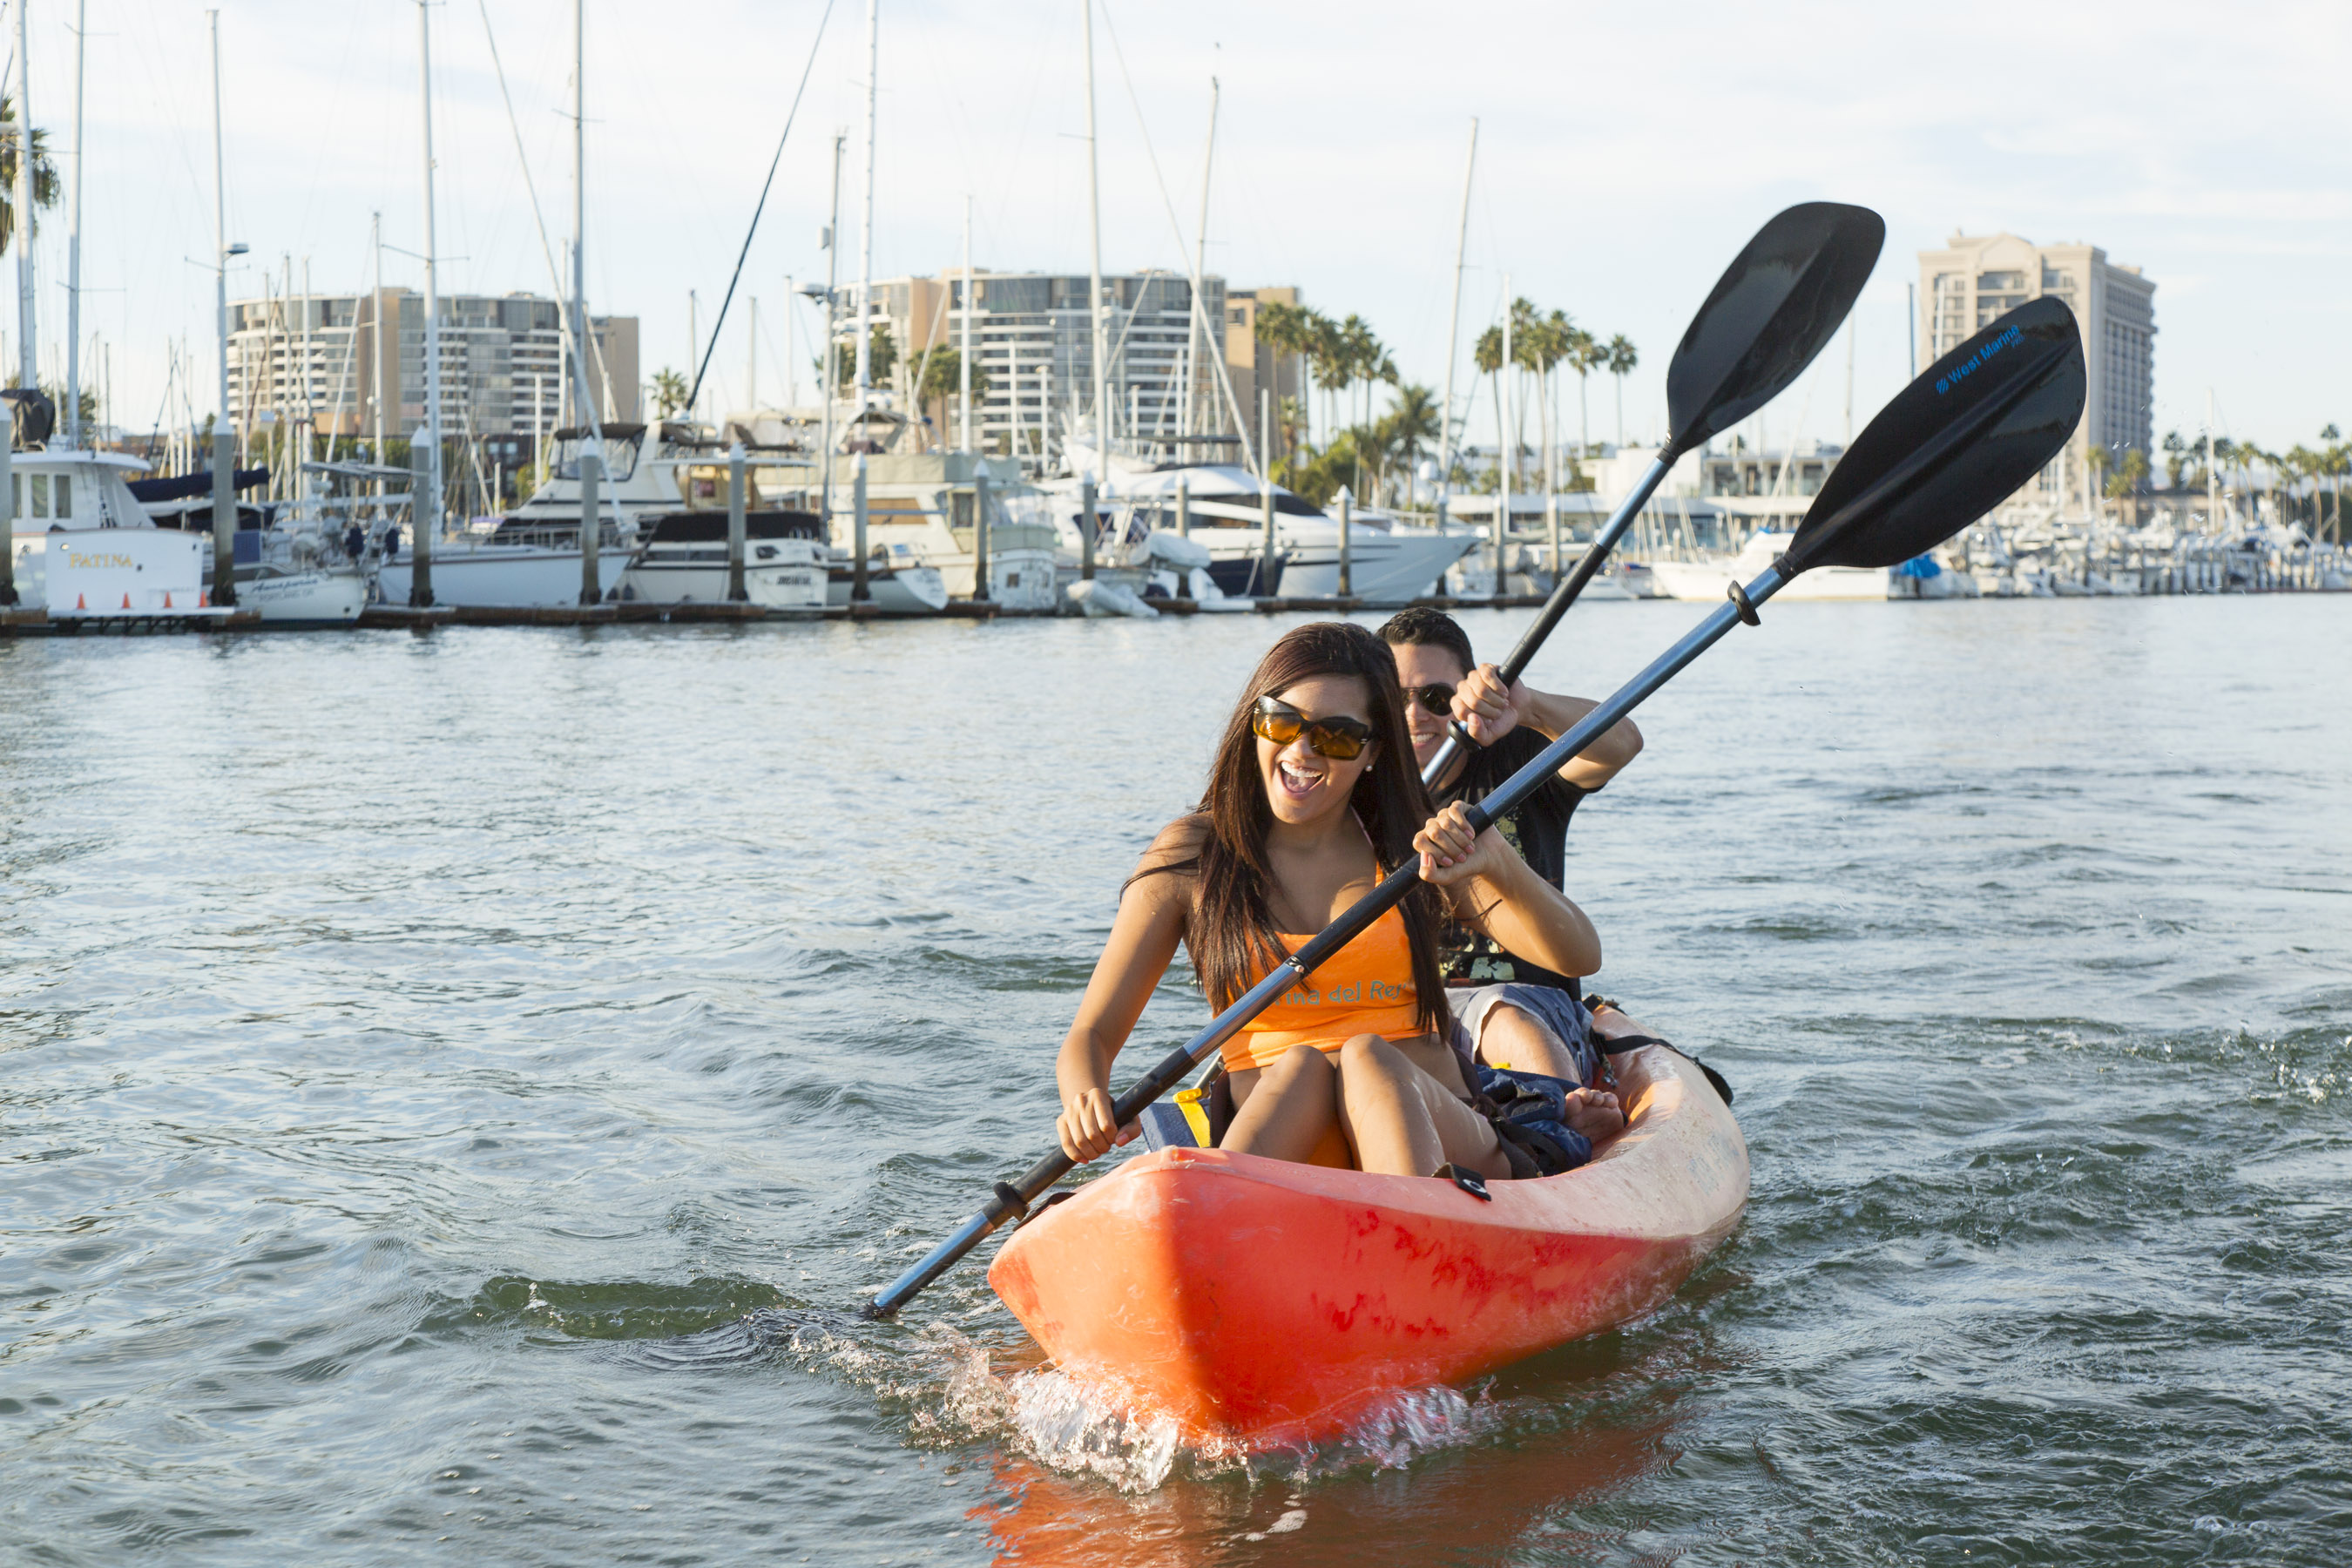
[1518,1013]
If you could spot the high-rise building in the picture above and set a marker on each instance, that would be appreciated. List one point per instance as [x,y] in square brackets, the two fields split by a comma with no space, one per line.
[1973,280]
[1033,337]
[313,359]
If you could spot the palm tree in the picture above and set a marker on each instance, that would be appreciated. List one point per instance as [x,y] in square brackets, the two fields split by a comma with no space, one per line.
[944,379]
[2334,457]
[2098,460]
[1487,354]
[1412,425]
[1287,330]
[2129,475]
[1585,355]
[669,393]
[45,171]
[1621,359]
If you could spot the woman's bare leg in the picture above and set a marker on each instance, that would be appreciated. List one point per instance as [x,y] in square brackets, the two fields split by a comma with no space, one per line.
[1403,1122]
[1289,1111]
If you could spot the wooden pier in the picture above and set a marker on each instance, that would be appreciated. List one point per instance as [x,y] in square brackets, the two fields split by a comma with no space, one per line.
[126,623]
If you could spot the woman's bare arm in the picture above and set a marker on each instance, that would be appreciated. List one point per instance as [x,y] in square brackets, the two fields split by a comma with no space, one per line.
[1143,940]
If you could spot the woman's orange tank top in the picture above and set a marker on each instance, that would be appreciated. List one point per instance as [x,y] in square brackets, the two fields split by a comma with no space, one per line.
[1365,988]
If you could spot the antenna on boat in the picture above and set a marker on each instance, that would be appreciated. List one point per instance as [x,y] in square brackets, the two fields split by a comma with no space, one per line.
[224,434]
[1454,336]
[73,245]
[1094,267]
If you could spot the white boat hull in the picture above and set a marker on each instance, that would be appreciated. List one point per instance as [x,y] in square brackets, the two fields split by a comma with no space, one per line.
[1707,581]
[1018,579]
[312,597]
[1382,568]
[782,588]
[900,591]
[111,571]
[502,577]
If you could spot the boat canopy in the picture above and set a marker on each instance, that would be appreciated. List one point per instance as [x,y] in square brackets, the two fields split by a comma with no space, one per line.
[185,486]
[710,527]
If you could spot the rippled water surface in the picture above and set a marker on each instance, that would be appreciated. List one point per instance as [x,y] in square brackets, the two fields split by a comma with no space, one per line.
[455,1089]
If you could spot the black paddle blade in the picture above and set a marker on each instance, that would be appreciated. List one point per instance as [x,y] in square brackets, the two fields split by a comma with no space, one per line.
[1975,425]
[1777,304]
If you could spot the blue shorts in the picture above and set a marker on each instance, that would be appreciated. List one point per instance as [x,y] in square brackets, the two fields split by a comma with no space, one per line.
[1560,1014]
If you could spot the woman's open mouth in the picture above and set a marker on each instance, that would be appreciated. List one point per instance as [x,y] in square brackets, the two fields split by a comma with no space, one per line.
[1296,782]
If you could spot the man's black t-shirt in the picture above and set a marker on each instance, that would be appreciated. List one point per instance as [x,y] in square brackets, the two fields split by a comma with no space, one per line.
[1539,831]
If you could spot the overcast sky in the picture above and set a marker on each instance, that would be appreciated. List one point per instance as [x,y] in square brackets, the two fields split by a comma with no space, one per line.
[1625,154]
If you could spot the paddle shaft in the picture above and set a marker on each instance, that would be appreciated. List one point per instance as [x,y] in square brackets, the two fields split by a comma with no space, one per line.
[1011,1200]
[1563,595]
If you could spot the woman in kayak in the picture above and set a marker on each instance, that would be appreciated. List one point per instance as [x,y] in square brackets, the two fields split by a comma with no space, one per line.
[1313,795]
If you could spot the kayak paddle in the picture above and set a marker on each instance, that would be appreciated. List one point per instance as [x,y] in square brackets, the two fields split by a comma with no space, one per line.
[1974,427]
[1775,307]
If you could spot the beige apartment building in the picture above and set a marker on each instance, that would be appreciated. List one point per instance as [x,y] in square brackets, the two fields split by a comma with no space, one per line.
[313,359]
[1974,279]
[1033,335]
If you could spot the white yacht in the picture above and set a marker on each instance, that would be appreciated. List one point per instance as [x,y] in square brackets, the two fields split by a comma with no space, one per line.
[294,561]
[919,511]
[83,546]
[1387,562]
[682,559]
[1710,579]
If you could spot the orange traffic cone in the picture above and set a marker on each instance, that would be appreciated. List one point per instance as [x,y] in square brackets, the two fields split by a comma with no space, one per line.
[204,600]
[167,598]
[126,601]
[81,601]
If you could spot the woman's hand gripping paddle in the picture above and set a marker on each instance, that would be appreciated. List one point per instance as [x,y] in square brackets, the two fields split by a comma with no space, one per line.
[1774,308]
[1980,423]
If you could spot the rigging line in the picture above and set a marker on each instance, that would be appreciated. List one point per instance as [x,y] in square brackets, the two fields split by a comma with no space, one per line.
[546,250]
[1225,381]
[702,369]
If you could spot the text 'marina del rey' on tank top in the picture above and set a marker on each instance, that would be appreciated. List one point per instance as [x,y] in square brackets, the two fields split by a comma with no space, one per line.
[1365,988]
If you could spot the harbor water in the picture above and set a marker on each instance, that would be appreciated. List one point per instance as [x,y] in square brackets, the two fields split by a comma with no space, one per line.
[456,1089]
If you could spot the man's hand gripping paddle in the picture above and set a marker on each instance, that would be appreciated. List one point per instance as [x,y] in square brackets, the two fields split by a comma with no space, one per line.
[1775,307]
[1980,423]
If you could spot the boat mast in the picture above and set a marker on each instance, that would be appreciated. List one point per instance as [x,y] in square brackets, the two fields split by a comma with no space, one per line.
[73,248]
[224,455]
[1198,337]
[1454,334]
[752,363]
[866,221]
[963,348]
[1506,446]
[375,392]
[1094,272]
[592,449]
[831,292]
[424,519]
[27,362]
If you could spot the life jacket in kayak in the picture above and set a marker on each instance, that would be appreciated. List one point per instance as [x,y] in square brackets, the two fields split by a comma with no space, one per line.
[1365,988]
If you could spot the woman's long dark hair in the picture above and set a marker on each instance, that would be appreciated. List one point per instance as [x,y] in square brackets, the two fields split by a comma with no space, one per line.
[1231,932]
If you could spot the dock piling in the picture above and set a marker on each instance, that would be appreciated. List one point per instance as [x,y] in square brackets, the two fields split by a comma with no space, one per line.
[7,511]
[1087,526]
[592,472]
[736,590]
[979,534]
[1346,518]
[223,513]
[859,594]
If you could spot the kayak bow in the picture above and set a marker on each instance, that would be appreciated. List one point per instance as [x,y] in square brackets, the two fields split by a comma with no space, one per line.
[1259,1301]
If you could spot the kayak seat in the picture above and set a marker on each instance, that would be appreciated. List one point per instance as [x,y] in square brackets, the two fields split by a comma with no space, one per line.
[1193,1118]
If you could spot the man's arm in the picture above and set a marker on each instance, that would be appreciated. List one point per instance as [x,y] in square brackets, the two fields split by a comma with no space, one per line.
[1490,712]
[1552,716]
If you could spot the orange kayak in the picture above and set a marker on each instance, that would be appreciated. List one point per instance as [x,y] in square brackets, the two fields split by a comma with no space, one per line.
[1260,1302]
